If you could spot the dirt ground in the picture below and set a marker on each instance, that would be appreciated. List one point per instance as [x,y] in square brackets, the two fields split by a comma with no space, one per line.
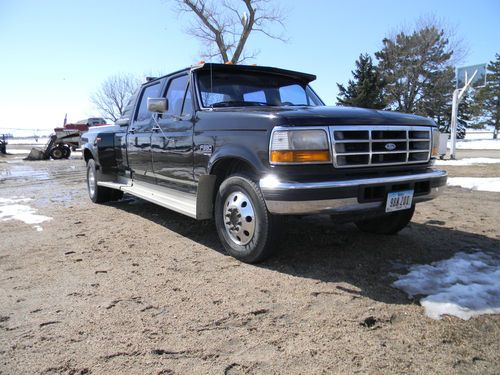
[132,288]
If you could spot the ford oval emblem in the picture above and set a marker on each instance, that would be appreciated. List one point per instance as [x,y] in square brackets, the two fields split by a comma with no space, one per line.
[390,146]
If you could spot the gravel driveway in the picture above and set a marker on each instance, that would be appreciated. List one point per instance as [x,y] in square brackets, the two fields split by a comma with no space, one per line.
[129,287]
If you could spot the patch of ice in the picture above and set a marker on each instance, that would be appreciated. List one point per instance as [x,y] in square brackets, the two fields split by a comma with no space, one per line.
[468,161]
[476,183]
[10,209]
[466,285]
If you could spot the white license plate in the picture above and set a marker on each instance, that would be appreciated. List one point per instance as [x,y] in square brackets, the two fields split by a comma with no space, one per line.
[399,200]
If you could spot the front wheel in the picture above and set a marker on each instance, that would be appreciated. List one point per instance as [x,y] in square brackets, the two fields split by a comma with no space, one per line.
[390,223]
[245,227]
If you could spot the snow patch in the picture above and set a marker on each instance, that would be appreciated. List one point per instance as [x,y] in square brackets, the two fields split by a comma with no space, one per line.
[11,209]
[468,161]
[476,183]
[477,144]
[464,286]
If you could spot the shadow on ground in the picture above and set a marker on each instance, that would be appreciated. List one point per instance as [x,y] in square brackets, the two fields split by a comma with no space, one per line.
[316,248]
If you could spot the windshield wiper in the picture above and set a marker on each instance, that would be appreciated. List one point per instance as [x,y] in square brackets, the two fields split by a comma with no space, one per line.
[237,103]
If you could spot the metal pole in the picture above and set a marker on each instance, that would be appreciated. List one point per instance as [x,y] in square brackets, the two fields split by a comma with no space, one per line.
[458,95]
[454,114]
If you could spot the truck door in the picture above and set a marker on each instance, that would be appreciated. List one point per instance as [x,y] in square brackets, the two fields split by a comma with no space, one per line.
[172,138]
[139,136]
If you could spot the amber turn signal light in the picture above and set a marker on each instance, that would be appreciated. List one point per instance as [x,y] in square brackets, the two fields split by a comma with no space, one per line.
[300,156]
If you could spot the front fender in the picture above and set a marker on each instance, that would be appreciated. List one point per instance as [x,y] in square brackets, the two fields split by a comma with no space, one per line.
[239,152]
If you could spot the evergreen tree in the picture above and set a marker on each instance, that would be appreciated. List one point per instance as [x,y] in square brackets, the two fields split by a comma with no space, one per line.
[488,97]
[417,72]
[437,96]
[366,90]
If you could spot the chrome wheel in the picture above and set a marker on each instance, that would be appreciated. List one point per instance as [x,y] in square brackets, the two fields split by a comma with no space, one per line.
[91,181]
[239,218]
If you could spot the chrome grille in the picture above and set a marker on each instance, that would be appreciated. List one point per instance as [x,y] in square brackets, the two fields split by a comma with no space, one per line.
[362,146]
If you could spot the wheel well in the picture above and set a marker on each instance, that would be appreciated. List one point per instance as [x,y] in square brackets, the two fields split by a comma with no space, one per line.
[87,155]
[226,167]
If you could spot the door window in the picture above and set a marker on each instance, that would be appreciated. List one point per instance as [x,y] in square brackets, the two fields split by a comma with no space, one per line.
[187,108]
[152,91]
[175,96]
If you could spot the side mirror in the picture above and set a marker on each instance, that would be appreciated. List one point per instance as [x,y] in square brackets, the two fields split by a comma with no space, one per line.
[124,121]
[158,105]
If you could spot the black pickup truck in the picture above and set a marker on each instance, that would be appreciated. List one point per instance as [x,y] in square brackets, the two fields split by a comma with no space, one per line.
[248,145]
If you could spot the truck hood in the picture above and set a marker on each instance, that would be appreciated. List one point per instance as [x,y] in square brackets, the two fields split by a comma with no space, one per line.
[349,116]
[334,115]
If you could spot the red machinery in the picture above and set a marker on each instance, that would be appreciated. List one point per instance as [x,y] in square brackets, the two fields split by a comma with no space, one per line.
[65,139]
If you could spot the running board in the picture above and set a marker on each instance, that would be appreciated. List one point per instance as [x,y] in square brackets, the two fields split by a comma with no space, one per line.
[183,203]
[112,185]
[198,206]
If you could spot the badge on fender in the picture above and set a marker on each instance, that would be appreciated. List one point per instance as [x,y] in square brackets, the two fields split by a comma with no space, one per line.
[206,149]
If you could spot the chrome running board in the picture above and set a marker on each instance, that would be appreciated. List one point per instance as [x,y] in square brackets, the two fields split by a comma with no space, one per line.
[174,200]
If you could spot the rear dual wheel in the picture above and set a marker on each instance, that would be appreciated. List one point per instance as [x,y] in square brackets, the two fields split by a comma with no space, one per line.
[99,194]
[247,230]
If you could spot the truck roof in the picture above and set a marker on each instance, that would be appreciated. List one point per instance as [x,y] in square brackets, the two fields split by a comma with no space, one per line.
[304,77]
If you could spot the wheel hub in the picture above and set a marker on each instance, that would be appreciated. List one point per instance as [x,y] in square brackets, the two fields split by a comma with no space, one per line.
[239,218]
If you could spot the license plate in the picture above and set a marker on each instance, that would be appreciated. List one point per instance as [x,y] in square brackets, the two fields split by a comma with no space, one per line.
[399,200]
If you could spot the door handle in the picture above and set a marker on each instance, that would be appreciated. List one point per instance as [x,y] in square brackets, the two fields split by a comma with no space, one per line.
[156,129]
[131,131]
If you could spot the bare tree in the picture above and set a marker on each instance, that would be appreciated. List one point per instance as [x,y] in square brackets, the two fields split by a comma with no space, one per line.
[224,26]
[114,94]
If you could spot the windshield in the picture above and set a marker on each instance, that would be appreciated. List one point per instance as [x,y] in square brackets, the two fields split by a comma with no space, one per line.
[237,89]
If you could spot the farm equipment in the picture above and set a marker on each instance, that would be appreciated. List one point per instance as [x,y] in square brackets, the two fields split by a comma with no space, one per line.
[64,140]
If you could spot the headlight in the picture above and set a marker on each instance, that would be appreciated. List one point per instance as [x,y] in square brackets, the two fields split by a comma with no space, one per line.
[299,146]
[435,143]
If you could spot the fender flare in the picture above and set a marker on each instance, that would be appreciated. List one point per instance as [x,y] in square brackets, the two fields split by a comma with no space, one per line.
[232,151]
[91,149]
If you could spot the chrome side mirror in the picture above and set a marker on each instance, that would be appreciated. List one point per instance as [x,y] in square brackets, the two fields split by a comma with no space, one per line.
[158,105]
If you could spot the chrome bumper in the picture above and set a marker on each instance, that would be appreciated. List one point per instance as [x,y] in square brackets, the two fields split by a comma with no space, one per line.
[272,186]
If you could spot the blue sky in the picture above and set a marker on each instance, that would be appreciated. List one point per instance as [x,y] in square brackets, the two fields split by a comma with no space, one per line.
[56,53]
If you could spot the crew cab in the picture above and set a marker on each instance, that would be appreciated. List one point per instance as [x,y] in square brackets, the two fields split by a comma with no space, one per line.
[249,145]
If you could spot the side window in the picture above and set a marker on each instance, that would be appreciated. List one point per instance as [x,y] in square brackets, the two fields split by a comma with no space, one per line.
[187,108]
[175,95]
[152,91]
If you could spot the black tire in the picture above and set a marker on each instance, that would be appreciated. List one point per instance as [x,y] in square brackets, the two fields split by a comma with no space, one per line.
[390,223]
[266,227]
[66,151]
[99,194]
[57,153]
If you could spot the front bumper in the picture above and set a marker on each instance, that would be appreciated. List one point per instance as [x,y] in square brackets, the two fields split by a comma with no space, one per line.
[353,196]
